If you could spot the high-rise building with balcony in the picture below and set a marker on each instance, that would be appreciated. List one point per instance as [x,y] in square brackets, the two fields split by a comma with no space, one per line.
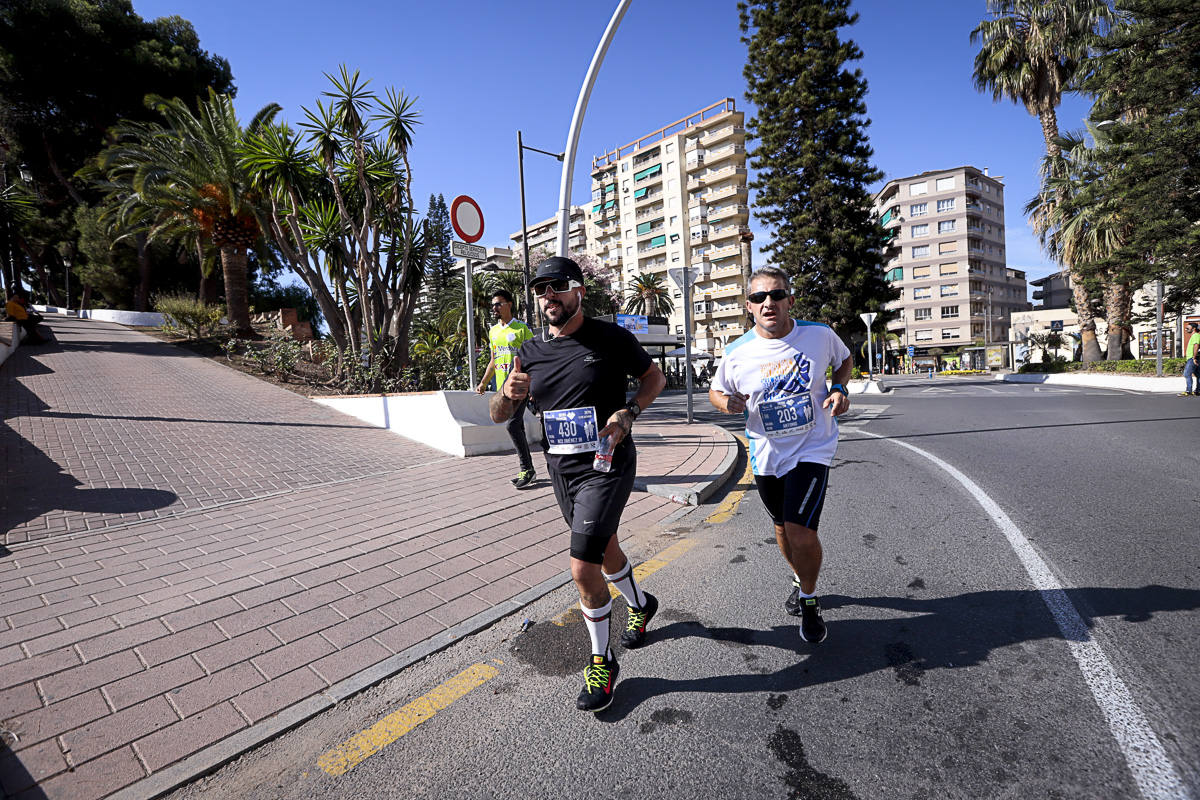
[677,197]
[544,234]
[946,256]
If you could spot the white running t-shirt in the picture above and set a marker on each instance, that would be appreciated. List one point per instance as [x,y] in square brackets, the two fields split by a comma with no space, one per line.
[785,381]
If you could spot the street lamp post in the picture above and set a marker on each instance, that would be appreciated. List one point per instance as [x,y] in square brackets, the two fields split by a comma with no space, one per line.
[521,148]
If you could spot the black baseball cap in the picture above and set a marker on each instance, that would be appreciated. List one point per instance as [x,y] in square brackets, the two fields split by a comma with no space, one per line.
[557,268]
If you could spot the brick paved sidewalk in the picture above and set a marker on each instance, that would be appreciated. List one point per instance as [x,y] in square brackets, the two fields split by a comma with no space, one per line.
[194,555]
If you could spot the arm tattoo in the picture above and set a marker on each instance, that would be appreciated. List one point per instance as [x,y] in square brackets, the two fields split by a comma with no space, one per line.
[501,407]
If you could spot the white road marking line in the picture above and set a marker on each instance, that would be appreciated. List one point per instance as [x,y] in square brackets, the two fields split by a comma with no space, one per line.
[1152,770]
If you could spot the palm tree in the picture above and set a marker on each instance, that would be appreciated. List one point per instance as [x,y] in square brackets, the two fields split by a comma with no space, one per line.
[1081,223]
[649,295]
[185,178]
[1031,53]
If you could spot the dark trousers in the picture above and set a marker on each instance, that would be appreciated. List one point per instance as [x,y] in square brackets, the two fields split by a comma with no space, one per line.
[30,326]
[516,432]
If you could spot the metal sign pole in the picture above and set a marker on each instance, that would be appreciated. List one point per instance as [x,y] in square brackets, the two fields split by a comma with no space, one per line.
[1158,358]
[470,323]
[687,335]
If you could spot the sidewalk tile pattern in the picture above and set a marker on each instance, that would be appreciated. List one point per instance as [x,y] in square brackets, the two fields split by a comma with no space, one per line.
[190,551]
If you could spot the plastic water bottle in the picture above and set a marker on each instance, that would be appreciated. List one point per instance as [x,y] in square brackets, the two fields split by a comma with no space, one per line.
[604,453]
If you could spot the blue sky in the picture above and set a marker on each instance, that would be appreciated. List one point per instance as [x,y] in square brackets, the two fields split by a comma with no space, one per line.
[483,69]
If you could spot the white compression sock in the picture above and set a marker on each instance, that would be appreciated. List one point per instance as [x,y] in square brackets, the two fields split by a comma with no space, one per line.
[596,620]
[628,587]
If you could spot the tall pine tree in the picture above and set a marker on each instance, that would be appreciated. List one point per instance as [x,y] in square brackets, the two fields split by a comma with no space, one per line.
[813,159]
[440,269]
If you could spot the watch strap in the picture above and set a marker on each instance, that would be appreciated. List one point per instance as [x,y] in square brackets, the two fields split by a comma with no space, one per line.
[633,408]
[837,387]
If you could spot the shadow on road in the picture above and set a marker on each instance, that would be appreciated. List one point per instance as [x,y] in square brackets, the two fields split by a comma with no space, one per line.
[939,633]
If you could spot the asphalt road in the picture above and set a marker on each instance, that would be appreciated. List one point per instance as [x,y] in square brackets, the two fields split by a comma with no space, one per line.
[948,671]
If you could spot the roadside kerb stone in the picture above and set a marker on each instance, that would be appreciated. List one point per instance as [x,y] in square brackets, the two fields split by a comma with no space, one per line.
[415,555]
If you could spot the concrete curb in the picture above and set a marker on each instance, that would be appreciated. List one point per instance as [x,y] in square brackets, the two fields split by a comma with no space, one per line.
[689,494]
[1099,380]
[218,755]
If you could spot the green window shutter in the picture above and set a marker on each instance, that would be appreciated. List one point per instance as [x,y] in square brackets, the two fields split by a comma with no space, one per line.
[658,241]
[640,193]
[596,207]
[886,218]
[649,172]
[643,228]
[610,203]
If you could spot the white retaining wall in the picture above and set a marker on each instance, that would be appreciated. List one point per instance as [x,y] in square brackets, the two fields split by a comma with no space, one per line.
[1099,380]
[11,335]
[142,318]
[457,423]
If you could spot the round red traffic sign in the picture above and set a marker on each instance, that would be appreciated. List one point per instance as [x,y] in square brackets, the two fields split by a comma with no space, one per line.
[467,219]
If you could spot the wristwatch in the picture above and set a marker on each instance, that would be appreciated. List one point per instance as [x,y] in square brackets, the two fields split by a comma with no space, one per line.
[633,408]
[837,387]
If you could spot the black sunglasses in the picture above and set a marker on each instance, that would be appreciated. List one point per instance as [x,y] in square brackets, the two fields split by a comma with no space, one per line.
[775,294]
[499,303]
[557,286]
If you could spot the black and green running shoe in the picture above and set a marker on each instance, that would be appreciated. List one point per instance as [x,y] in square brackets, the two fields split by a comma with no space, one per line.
[634,635]
[792,604]
[524,478]
[812,627]
[599,677]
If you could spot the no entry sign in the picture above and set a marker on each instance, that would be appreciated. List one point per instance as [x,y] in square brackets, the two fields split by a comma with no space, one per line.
[467,219]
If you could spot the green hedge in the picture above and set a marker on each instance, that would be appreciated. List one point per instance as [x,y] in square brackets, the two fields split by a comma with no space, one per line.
[1171,366]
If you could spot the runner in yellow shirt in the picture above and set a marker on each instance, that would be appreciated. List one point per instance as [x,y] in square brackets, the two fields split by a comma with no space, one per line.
[506,338]
[1191,352]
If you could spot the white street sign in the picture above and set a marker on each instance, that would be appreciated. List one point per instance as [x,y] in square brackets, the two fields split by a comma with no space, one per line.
[868,318]
[467,218]
[472,251]
[676,274]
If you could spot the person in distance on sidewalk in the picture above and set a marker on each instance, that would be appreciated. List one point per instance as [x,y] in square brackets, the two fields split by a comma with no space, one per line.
[506,338]
[17,310]
[575,374]
[1191,354]
[775,376]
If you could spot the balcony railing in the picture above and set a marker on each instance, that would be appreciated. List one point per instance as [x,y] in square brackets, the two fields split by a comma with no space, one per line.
[648,212]
[724,272]
[727,151]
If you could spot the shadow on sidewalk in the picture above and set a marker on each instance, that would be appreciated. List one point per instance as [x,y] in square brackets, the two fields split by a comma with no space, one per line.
[35,486]
[944,633]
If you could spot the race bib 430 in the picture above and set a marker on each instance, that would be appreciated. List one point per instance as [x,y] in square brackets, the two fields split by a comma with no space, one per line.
[571,430]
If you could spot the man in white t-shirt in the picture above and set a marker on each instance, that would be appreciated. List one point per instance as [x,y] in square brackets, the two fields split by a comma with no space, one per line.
[775,376]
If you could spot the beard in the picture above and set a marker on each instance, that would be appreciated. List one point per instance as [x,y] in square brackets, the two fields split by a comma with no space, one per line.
[560,310]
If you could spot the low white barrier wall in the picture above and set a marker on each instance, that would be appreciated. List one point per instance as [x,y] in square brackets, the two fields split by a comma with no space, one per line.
[11,335]
[142,318]
[1099,380]
[453,422]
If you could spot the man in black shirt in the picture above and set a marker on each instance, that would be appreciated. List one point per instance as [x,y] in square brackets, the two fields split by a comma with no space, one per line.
[574,375]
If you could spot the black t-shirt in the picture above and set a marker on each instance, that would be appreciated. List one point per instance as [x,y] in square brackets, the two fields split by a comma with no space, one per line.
[586,368]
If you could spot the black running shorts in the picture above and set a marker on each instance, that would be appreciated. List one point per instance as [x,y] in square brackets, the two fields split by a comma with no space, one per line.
[796,497]
[592,503]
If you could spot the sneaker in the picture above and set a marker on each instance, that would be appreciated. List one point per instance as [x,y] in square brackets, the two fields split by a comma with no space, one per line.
[524,478]
[792,604]
[634,635]
[598,680]
[1184,394]
[812,627]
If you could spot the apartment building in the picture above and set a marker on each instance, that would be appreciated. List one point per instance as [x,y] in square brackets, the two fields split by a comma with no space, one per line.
[946,256]
[544,234]
[677,197]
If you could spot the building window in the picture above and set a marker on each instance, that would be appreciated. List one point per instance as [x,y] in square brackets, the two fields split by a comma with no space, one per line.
[679,329]
[946,248]
[946,226]
[896,274]
[945,184]
[922,313]
[625,167]
[674,238]
[925,336]
[918,189]
[948,269]
[949,333]
[949,312]
[918,209]
[920,272]
[920,251]
[670,147]
[950,290]
[674,220]
[670,165]
[922,294]
[918,230]
[945,205]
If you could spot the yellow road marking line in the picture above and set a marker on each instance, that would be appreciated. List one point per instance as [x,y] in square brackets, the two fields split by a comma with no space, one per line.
[365,744]
[727,509]
[640,573]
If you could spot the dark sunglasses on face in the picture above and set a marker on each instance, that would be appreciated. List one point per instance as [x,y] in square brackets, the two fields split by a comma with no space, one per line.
[498,304]
[775,294]
[558,287]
